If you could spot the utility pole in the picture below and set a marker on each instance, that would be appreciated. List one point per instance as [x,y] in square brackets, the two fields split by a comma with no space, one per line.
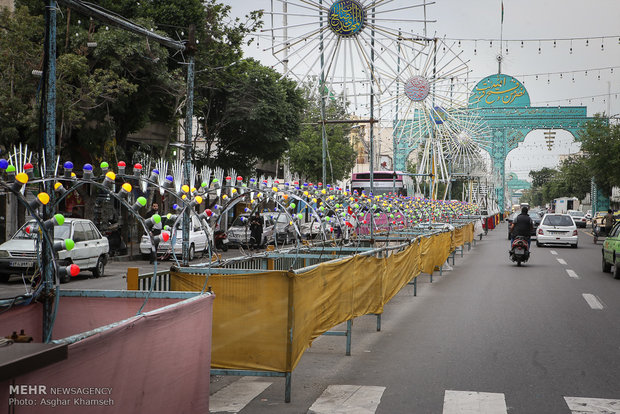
[49,145]
[189,115]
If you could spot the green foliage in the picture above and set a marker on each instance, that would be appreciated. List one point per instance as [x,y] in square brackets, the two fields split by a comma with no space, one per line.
[542,176]
[247,116]
[306,153]
[601,141]
[20,53]
[126,82]
[571,179]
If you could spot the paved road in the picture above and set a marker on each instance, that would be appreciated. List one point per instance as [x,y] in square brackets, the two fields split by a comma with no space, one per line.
[542,338]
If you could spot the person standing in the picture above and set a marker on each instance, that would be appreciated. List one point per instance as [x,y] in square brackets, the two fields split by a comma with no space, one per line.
[256,230]
[608,221]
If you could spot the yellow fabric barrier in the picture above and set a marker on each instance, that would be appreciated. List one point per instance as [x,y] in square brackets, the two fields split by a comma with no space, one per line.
[250,318]
[265,321]
[468,233]
[434,251]
[457,238]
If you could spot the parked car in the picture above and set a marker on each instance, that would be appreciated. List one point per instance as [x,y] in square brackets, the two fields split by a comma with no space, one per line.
[579,218]
[284,230]
[198,241]
[239,231]
[611,252]
[589,215]
[18,255]
[310,229]
[534,215]
[557,229]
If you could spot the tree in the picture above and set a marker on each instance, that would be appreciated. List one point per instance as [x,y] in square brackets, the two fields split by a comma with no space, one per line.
[542,176]
[20,53]
[306,154]
[248,117]
[601,141]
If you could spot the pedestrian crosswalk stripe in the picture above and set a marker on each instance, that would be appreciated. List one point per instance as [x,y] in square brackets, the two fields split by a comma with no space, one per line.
[553,252]
[579,405]
[572,273]
[561,261]
[471,402]
[232,398]
[348,399]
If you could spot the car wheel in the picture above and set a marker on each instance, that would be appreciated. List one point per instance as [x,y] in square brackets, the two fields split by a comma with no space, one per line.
[192,253]
[617,271]
[574,246]
[99,268]
[538,244]
[606,266]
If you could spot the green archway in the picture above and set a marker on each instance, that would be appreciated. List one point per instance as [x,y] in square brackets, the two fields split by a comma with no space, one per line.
[504,104]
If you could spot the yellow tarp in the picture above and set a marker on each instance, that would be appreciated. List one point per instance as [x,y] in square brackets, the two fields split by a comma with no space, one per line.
[250,318]
[265,321]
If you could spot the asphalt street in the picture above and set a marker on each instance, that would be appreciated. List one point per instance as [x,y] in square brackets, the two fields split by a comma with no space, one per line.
[535,336]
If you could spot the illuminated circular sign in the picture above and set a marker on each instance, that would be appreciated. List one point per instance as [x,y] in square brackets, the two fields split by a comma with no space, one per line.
[347,17]
[417,88]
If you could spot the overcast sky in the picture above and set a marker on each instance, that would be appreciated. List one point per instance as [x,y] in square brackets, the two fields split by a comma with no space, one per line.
[562,78]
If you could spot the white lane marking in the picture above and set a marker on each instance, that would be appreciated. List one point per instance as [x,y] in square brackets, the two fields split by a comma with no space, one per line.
[579,405]
[232,398]
[593,301]
[572,273]
[348,399]
[561,261]
[471,402]
[553,252]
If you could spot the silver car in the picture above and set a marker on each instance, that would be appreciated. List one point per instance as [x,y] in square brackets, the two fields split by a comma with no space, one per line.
[19,256]
[239,231]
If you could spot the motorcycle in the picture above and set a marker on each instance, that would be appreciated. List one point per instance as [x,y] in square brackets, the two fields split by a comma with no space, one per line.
[519,251]
[221,240]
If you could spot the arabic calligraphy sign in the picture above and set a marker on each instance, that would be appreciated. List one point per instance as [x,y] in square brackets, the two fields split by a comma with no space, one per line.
[499,90]
[417,88]
[347,17]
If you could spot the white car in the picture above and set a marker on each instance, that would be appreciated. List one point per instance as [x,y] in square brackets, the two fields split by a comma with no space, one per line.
[198,241]
[578,217]
[18,255]
[557,229]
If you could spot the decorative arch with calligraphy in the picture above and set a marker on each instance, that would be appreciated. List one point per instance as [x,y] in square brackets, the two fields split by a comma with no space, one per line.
[499,91]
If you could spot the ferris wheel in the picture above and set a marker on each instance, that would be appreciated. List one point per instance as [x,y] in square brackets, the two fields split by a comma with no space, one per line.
[339,46]
[428,97]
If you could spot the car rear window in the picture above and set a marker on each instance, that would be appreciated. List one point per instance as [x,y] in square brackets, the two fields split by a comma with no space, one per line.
[558,221]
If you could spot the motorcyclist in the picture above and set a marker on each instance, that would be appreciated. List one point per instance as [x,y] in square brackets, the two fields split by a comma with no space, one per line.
[522,225]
